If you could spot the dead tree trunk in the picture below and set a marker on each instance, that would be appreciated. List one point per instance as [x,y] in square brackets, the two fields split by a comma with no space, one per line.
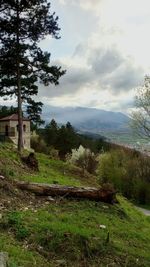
[107,195]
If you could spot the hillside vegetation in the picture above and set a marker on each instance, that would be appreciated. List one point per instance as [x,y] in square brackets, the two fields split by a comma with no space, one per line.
[45,232]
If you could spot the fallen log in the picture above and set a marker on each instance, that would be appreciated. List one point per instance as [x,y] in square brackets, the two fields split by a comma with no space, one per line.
[103,194]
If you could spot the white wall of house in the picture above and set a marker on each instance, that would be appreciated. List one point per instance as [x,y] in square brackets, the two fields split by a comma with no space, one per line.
[13,131]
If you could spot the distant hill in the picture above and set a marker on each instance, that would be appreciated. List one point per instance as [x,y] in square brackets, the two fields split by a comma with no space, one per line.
[88,119]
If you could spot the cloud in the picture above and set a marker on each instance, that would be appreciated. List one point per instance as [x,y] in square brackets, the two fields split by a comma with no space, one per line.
[78,76]
[126,77]
[100,79]
[85,4]
[105,61]
[114,71]
[105,53]
[70,83]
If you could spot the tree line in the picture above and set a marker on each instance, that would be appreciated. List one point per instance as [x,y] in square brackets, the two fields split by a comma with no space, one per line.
[64,138]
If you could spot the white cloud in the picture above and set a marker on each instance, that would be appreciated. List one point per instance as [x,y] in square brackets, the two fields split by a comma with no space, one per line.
[85,4]
[105,48]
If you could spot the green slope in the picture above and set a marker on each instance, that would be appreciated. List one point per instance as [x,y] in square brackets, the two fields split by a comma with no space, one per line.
[63,232]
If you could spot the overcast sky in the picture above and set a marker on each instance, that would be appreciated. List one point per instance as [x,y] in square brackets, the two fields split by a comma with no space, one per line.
[105,48]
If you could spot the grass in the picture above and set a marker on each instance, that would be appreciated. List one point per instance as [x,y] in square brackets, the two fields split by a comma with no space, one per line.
[50,170]
[19,255]
[69,232]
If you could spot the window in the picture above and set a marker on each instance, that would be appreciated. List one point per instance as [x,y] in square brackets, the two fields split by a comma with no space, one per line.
[24,128]
[6,130]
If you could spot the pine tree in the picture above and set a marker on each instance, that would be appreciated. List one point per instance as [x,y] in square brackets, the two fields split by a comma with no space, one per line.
[51,133]
[34,110]
[23,24]
[67,140]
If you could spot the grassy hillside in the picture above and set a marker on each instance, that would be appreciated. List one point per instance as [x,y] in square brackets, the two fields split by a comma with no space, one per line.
[38,231]
[50,171]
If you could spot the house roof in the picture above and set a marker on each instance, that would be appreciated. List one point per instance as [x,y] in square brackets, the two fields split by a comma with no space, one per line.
[13,117]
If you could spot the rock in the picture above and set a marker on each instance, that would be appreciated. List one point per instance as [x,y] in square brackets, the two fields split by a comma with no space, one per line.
[3,259]
[49,198]
[2,177]
[102,226]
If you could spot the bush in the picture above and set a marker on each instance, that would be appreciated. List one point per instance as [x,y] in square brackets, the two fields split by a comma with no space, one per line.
[85,159]
[38,144]
[53,153]
[111,168]
[128,172]
[21,232]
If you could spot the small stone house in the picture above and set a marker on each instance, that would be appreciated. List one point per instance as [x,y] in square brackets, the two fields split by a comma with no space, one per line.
[9,130]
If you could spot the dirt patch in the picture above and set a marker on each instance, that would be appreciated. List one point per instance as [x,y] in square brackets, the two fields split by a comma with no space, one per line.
[12,198]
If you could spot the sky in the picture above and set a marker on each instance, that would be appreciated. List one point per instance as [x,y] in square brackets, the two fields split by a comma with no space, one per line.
[104,48]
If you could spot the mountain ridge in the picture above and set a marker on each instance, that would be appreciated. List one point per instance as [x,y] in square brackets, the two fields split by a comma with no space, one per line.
[87,119]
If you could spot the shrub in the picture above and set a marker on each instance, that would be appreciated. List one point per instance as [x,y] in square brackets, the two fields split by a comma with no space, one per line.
[21,232]
[112,168]
[38,144]
[85,159]
[129,172]
[53,153]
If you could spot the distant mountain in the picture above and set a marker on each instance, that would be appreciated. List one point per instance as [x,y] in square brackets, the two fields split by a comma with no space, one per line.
[88,119]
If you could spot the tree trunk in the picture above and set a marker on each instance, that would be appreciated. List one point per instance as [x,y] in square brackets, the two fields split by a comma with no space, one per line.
[107,195]
[20,124]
